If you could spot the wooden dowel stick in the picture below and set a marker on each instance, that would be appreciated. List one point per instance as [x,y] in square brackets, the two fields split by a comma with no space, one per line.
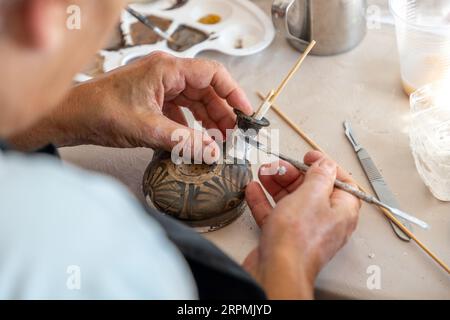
[293,70]
[389,215]
[265,106]
[268,102]
[299,131]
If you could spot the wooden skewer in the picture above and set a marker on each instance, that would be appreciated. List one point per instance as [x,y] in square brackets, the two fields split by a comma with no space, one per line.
[268,102]
[293,71]
[389,215]
[299,131]
[265,106]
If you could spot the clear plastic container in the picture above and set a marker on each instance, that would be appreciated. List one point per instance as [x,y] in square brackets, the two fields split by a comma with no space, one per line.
[430,137]
[423,37]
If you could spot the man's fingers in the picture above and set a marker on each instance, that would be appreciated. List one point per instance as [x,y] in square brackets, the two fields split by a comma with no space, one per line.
[319,181]
[182,141]
[258,202]
[280,183]
[174,112]
[338,197]
[313,156]
[200,114]
[343,198]
[201,74]
[208,107]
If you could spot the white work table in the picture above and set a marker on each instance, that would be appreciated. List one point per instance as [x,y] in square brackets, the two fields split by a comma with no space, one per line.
[362,86]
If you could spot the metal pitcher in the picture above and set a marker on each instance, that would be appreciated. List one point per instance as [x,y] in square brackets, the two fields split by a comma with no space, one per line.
[337,25]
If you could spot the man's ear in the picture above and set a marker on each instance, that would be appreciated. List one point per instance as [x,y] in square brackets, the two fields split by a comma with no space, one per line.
[43,23]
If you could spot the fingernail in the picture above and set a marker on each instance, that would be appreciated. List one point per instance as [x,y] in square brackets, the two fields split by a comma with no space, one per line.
[282,170]
[328,165]
[211,153]
[263,169]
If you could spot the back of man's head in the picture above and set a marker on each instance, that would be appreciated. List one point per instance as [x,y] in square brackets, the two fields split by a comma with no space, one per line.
[43,44]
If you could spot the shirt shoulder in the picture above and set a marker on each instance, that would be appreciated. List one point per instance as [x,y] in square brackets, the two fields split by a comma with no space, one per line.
[69,233]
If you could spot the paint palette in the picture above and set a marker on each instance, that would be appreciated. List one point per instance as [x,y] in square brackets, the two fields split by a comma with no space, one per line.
[233,27]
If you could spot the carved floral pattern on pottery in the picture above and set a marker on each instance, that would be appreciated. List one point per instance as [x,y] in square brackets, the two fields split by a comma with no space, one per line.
[196,193]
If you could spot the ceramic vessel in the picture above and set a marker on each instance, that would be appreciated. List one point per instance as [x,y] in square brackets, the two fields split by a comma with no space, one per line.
[206,197]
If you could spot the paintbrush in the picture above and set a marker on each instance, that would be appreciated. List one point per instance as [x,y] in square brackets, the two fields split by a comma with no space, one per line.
[343,186]
[144,20]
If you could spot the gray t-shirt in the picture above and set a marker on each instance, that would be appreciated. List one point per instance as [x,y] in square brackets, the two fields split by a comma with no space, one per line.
[69,234]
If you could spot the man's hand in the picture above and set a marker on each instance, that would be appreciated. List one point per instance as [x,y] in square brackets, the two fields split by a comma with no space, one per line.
[309,224]
[139,105]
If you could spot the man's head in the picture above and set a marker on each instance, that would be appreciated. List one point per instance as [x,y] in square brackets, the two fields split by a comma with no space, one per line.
[42,48]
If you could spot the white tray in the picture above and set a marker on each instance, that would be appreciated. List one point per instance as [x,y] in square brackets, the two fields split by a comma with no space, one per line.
[240,19]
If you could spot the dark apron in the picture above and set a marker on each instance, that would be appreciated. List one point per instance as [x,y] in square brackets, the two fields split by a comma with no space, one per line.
[216,275]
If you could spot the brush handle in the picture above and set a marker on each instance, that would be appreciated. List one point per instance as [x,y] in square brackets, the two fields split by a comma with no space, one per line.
[360,194]
[144,20]
[353,190]
[140,17]
[337,183]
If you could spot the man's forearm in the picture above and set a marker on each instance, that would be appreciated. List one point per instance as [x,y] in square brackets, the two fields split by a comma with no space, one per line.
[285,279]
[283,276]
[58,128]
[41,134]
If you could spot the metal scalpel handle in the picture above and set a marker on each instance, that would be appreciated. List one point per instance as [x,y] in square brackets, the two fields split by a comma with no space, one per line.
[376,180]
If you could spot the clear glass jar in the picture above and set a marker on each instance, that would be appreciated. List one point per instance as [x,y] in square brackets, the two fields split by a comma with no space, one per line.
[430,136]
